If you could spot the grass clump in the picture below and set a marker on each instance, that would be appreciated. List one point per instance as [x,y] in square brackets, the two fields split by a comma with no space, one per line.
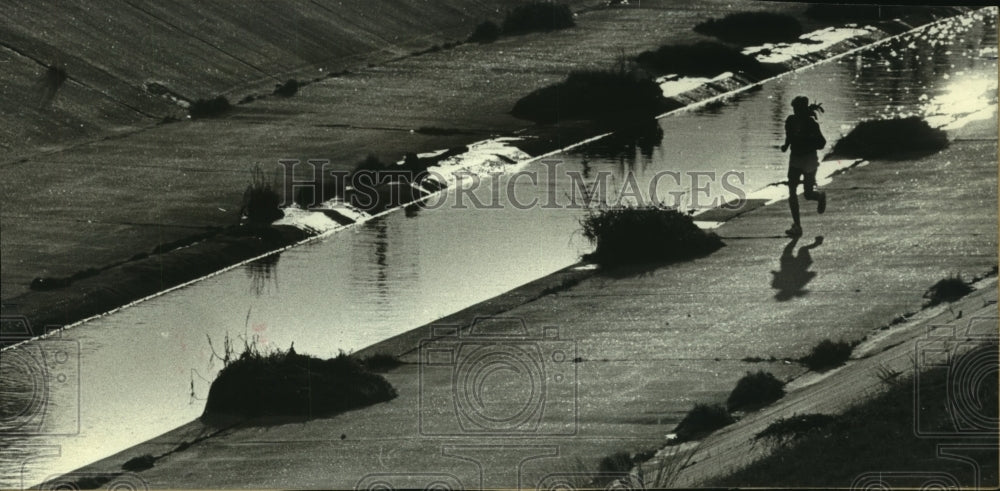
[891,139]
[702,420]
[631,235]
[261,203]
[948,290]
[209,108]
[755,390]
[287,89]
[827,354]
[752,28]
[530,17]
[285,383]
[537,16]
[608,96]
[702,59]
[485,32]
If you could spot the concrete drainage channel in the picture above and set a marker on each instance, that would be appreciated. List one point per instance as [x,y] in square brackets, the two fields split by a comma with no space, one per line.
[765,198]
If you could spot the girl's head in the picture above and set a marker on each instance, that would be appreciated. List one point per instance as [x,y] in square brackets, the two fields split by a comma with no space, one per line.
[800,105]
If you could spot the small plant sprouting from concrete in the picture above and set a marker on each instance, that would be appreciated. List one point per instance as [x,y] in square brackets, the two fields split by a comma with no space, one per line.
[702,420]
[209,108]
[485,32]
[261,203]
[287,89]
[947,290]
[755,390]
[635,235]
[827,354]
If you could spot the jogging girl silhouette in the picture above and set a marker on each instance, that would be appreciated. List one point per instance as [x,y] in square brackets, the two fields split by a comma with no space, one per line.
[803,135]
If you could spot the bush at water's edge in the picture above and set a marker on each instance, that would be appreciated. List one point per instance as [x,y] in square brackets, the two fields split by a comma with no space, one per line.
[285,383]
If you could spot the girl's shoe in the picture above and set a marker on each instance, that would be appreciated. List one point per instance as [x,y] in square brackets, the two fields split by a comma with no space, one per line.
[795,231]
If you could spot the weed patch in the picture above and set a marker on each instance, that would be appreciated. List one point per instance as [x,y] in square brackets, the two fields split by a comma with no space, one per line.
[755,390]
[606,96]
[891,139]
[537,16]
[485,32]
[261,203]
[947,290]
[702,420]
[209,108]
[287,89]
[285,383]
[703,59]
[827,354]
[749,28]
[631,235]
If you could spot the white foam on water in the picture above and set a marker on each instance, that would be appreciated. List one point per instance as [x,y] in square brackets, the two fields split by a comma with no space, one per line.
[673,84]
[425,155]
[813,42]
[308,221]
[706,225]
[344,209]
[483,158]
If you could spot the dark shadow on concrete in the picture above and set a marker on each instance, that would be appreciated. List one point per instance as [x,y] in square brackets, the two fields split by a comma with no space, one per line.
[794,274]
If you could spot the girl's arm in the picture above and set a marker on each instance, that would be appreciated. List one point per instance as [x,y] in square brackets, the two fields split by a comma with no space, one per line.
[788,130]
